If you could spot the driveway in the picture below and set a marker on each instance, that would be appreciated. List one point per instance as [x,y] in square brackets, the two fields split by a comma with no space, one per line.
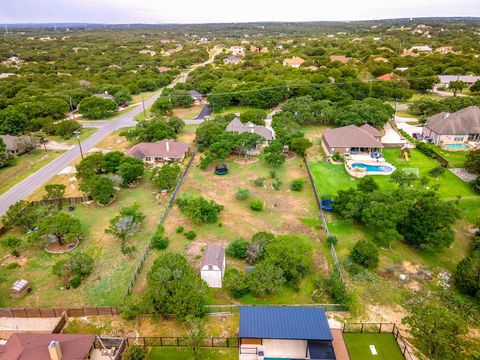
[206,111]
[105,128]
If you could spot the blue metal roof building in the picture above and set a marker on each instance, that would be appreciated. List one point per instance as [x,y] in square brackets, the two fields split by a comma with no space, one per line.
[289,323]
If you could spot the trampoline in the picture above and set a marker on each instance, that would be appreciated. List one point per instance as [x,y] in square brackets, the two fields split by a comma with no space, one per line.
[327,203]
[221,169]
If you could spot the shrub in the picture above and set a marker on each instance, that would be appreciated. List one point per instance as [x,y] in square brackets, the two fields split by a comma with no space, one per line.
[338,157]
[12,265]
[159,241]
[190,235]
[237,248]
[436,172]
[365,253]
[15,253]
[331,240]
[199,210]
[297,184]
[265,279]
[234,282]
[256,205]
[276,185]
[336,290]
[259,182]
[135,352]
[180,229]
[242,194]
[75,282]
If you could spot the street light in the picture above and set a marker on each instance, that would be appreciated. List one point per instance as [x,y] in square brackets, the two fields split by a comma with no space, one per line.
[76,132]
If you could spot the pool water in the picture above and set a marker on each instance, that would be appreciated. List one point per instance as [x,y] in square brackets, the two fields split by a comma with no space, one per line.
[373,168]
[457,146]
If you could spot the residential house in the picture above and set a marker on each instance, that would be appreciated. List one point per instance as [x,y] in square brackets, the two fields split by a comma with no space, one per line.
[387,77]
[232,60]
[294,62]
[380,59]
[197,97]
[456,128]
[160,152]
[213,265]
[279,47]
[444,50]
[28,346]
[6,75]
[312,67]
[416,50]
[341,58]
[148,52]
[105,95]
[163,69]
[284,332]
[17,145]
[237,126]
[237,51]
[446,79]
[352,140]
[401,69]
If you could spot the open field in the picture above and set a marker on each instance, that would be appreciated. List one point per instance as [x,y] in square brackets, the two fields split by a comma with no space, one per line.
[286,212]
[112,270]
[187,113]
[25,165]
[358,346]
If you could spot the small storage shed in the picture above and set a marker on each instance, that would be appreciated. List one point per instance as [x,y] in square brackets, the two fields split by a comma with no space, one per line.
[213,265]
[19,289]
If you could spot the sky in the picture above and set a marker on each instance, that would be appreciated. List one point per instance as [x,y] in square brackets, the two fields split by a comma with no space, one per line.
[205,11]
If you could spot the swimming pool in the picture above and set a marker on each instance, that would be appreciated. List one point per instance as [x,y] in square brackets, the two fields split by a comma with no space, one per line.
[383,169]
[456,146]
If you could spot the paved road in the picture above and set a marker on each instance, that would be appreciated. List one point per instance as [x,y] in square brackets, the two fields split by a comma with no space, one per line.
[42,176]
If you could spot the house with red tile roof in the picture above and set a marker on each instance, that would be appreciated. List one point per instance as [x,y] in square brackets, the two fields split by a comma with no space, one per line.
[160,152]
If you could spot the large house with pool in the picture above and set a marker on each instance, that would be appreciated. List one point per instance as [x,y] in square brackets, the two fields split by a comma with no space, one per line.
[458,130]
[352,140]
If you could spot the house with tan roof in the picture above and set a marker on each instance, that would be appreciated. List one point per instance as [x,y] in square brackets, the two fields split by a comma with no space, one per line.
[341,58]
[294,62]
[160,152]
[352,140]
[457,128]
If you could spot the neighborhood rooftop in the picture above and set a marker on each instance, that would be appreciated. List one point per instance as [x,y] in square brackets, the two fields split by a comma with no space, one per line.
[164,148]
[463,122]
[292,323]
[237,126]
[352,136]
[213,255]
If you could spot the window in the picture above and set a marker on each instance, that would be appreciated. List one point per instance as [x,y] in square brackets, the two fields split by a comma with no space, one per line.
[148,158]
[458,138]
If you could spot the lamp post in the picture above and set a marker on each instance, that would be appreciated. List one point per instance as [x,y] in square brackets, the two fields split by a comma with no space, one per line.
[76,132]
[144,113]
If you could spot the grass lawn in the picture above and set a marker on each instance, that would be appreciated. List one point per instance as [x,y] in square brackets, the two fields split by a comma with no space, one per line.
[25,165]
[358,346]
[187,113]
[406,114]
[232,110]
[286,212]
[85,133]
[112,270]
[455,158]
[173,353]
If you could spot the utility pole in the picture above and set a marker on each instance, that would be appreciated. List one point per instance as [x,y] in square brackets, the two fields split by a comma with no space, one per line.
[76,132]
[144,113]
[6,29]
[55,27]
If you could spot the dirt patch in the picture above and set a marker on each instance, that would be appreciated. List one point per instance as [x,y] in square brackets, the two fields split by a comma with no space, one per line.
[410,268]
[393,314]
[242,160]
[9,259]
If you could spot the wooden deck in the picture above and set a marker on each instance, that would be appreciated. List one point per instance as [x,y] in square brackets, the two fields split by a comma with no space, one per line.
[339,346]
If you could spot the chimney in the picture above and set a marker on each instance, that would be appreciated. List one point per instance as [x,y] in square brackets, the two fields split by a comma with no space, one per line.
[55,350]
[446,115]
[167,145]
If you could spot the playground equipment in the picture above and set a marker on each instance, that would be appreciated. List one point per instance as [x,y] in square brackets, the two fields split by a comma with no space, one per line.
[221,169]
[406,152]
[327,203]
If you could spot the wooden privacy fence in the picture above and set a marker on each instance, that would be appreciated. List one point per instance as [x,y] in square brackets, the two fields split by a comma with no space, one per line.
[139,267]
[57,312]
[391,328]
[68,200]
[179,341]
[60,325]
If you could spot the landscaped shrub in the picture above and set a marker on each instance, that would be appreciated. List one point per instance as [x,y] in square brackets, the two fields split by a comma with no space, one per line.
[276,184]
[237,248]
[242,194]
[190,235]
[199,210]
[180,229]
[234,282]
[259,182]
[365,253]
[336,290]
[297,184]
[256,205]
[135,352]
[12,265]
[436,172]
[159,240]
[331,240]
[338,157]
[265,278]
[75,282]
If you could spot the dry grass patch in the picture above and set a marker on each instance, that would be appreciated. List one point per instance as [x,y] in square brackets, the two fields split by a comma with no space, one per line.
[187,113]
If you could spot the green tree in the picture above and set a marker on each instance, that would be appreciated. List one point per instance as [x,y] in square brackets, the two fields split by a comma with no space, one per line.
[475,87]
[264,279]
[457,86]
[367,185]
[95,107]
[151,131]
[100,188]
[135,352]
[365,253]
[60,228]
[195,337]
[22,214]
[111,161]
[237,248]
[174,288]
[300,145]
[199,210]
[166,177]
[162,106]
[12,121]
[127,223]
[467,274]
[437,332]
[6,159]
[11,242]
[131,170]
[297,184]
[78,265]
[234,282]
[90,166]
[54,192]
[273,154]
[472,161]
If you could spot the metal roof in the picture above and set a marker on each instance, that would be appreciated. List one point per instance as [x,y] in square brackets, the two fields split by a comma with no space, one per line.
[294,323]
[214,255]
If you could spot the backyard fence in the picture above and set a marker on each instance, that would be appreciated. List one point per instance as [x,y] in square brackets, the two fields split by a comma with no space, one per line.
[236,308]
[67,200]
[120,344]
[324,220]
[182,341]
[57,312]
[139,267]
[391,328]
[60,325]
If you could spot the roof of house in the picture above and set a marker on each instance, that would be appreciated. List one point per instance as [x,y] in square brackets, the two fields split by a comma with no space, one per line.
[10,142]
[196,95]
[385,77]
[176,150]
[35,346]
[214,255]
[351,136]
[105,95]
[371,130]
[237,126]
[342,58]
[462,122]
[232,59]
[294,323]
[294,61]
[444,79]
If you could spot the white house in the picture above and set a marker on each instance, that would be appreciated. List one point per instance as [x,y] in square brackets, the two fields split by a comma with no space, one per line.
[213,265]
